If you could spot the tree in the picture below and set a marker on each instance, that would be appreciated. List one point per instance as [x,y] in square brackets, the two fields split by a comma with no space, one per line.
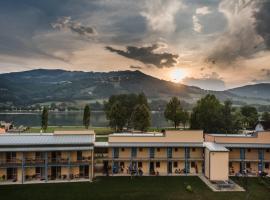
[266,117]
[86,116]
[44,119]
[173,111]
[207,115]
[128,103]
[141,118]
[185,118]
[227,117]
[116,117]
[142,99]
[250,116]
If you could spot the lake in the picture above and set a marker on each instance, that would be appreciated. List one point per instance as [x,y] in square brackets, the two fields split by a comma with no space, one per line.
[98,118]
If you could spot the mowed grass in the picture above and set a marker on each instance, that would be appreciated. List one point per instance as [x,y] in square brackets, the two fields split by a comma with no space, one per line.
[138,188]
[51,129]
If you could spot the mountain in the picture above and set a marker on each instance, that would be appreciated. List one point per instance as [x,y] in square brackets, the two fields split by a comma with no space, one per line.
[43,85]
[261,90]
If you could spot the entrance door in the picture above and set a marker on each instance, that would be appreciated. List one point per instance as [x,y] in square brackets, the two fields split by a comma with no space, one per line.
[152,168]
[11,173]
[55,172]
[169,170]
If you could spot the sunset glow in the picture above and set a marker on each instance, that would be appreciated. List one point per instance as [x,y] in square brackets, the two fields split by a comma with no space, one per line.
[177,75]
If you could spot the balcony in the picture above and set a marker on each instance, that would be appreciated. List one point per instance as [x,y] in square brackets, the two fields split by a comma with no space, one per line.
[34,162]
[11,163]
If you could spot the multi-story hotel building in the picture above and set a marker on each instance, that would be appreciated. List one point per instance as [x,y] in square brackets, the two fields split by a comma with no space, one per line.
[75,156]
[47,157]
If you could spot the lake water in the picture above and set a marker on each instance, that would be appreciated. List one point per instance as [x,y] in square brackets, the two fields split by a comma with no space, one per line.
[98,119]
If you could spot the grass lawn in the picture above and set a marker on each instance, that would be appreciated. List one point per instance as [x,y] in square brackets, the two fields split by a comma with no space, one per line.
[50,129]
[139,188]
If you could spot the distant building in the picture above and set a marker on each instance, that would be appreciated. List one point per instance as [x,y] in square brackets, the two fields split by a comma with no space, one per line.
[262,126]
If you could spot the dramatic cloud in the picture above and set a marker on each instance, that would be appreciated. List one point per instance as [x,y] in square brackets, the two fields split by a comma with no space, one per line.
[262,16]
[240,39]
[196,24]
[203,11]
[209,81]
[160,14]
[147,55]
[76,27]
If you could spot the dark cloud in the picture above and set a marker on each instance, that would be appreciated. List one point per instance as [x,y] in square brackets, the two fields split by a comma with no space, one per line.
[262,16]
[76,27]
[147,55]
[135,67]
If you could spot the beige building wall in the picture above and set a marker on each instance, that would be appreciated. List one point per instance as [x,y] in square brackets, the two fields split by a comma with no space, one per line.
[124,152]
[234,153]
[267,154]
[252,154]
[218,165]
[196,152]
[257,138]
[144,153]
[170,136]
[162,153]
[178,152]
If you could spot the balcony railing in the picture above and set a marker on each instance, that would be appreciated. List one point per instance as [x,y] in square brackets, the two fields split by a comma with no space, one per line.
[160,158]
[11,162]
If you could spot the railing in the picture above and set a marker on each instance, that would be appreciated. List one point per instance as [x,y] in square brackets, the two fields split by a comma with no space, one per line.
[155,158]
[11,162]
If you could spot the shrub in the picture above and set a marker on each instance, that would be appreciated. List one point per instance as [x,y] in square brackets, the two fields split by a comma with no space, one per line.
[189,188]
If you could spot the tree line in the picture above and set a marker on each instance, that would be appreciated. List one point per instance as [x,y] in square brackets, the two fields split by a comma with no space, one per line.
[131,111]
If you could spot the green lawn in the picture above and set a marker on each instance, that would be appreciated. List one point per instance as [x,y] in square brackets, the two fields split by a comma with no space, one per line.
[50,129]
[139,188]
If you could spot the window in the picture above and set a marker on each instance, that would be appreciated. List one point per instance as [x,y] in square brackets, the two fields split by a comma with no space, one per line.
[249,150]
[140,164]
[122,149]
[38,170]
[193,164]
[175,149]
[230,164]
[230,149]
[267,150]
[140,149]
[266,165]
[158,149]
[157,164]
[193,149]
[79,155]
[248,165]
[175,164]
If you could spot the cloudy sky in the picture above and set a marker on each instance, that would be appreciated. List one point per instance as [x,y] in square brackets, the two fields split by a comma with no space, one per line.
[214,44]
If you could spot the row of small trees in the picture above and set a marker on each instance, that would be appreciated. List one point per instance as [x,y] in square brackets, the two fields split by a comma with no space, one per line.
[132,111]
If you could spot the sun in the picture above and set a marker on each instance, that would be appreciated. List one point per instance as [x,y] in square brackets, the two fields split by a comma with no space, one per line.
[177,75]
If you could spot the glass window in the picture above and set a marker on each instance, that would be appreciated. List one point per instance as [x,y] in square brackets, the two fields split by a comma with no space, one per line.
[157,164]
[266,165]
[140,164]
[175,164]
[175,149]
[122,149]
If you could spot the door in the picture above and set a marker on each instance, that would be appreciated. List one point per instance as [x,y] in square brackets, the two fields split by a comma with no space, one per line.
[11,173]
[169,167]
[152,168]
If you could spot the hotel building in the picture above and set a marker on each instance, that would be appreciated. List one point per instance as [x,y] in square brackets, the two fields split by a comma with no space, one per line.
[46,157]
[76,156]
